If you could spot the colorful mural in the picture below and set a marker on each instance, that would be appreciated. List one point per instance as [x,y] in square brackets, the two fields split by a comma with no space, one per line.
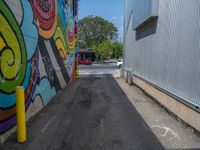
[38,50]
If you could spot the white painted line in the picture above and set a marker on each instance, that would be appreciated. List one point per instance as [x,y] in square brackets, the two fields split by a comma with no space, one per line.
[48,123]
[167,130]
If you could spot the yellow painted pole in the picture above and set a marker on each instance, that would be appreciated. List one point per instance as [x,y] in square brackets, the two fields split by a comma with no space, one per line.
[76,72]
[20,113]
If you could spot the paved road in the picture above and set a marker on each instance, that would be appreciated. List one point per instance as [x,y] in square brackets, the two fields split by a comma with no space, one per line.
[91,114]
[97,69]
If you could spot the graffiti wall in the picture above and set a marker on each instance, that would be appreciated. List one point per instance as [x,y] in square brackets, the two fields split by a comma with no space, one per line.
[38,47]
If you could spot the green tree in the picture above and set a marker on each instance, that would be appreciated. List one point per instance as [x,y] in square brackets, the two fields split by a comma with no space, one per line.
[110,49]
[117,50]
[95,30]
[105,49]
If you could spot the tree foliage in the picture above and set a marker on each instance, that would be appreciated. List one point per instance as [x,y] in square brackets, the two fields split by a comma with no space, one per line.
[110,49]
[106,49]
[117,49]
[95,30]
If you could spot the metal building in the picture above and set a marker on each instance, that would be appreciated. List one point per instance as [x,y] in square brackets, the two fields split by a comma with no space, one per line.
[162,46]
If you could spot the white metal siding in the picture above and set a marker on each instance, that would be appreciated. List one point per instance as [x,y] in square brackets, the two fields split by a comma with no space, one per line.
[170,59]
[143,10]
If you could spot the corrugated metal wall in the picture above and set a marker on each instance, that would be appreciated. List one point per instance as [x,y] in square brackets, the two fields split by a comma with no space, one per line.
[142,10]
[169,59]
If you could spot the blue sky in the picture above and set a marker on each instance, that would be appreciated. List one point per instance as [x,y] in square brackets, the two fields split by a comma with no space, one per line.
[111,10]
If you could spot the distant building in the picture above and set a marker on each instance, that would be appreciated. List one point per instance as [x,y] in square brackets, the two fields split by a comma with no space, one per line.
[162,52]
[87,54]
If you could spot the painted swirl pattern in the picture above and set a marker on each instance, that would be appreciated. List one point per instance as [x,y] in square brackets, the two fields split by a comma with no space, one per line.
[38,50]
[12,52]
[45,12]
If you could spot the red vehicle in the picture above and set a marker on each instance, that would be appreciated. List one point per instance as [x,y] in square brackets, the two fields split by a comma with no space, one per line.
[85,62]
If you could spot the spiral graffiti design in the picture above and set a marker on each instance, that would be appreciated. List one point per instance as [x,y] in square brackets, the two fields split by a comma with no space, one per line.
[45,12]
[12,52]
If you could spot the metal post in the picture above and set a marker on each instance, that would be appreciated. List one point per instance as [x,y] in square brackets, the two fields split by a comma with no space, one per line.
[76,73]
[20,113]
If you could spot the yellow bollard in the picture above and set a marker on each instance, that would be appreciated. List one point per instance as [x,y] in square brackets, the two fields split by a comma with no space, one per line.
[76,74]
[20,113]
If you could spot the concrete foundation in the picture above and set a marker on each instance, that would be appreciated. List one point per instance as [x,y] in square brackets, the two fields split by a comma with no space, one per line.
[185,113]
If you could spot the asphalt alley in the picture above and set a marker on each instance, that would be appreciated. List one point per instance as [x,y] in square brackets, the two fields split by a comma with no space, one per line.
[92,113]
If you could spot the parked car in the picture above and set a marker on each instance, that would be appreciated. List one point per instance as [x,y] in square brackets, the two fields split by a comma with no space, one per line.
[85,62]
[119,63]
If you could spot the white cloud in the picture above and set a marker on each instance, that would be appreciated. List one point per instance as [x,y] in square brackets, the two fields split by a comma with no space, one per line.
[117,17]
[121,17]
[114,18]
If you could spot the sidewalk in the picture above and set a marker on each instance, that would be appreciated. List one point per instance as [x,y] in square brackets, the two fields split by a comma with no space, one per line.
[173,134]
